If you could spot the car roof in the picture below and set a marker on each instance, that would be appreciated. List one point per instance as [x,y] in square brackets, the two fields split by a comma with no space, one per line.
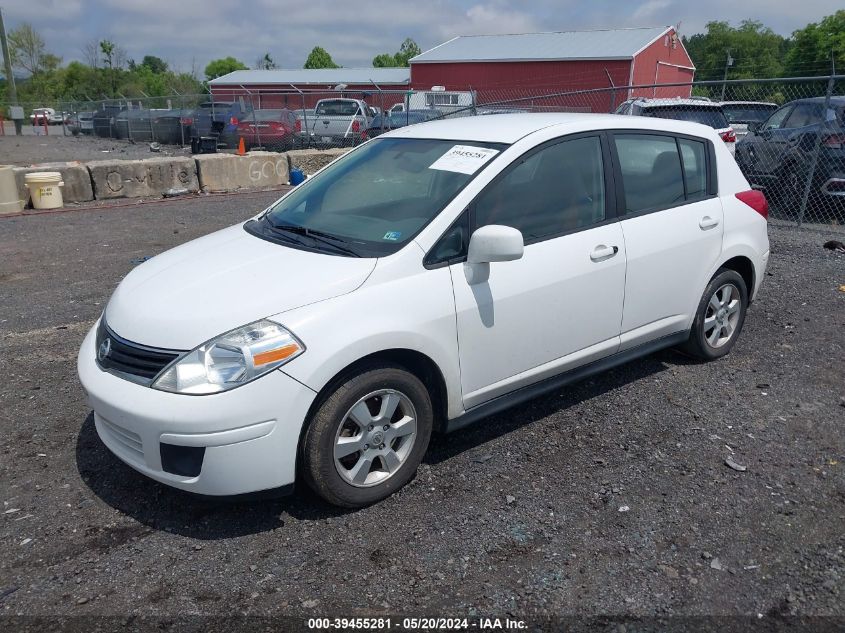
[509,128]
[662,103]
[744,103]
[834,100]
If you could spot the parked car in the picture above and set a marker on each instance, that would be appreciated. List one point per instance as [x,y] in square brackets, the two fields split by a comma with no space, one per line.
[432,276]
[81,123]
[53,118]
[272,129]
[394,120]
[172,126]
[695,110]
[339,122]
[103,120]
[741,113]
[777,154]
[221,118]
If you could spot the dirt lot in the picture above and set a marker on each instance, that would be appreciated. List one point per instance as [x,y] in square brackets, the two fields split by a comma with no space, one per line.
[30,149]
[610,497]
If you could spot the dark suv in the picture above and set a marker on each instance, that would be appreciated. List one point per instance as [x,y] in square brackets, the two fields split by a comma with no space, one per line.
[219,118]
[777,154]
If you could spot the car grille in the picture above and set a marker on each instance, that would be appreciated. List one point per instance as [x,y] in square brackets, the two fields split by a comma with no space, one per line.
[129,358]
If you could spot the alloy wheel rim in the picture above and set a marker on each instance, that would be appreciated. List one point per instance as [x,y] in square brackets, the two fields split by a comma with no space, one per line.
[375,438]
[722,316]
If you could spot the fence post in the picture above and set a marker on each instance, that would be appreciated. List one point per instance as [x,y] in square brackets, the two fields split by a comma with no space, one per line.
[814,161]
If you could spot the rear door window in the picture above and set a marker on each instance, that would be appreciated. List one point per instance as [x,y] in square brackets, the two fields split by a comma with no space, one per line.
[660,171]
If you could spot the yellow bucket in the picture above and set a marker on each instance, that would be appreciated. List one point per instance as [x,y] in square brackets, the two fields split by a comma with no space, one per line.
[45,188]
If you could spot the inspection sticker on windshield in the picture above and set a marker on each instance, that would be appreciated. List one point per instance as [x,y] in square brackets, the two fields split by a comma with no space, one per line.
[464,159]
[392,235]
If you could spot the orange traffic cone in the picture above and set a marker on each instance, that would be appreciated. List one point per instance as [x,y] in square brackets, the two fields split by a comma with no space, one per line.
[241,148]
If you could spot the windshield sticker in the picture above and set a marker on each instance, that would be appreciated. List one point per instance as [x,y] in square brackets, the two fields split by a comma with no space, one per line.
[392,235]
[464,159]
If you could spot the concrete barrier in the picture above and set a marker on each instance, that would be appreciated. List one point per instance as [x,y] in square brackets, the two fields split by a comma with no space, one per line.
[75,175]
[146,178]
[312,160]
[230,172]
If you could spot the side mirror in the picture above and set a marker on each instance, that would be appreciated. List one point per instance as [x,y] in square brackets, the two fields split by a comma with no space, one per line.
[495,243]
[754,127]
[491,243]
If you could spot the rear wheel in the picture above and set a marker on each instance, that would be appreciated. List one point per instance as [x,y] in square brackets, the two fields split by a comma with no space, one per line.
[720,316]
[368,437]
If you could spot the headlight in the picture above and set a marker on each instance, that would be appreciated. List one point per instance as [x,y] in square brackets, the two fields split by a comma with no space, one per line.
[231,359]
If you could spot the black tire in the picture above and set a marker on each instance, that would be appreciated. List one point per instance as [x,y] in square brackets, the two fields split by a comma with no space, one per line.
[698,344]
[319,467]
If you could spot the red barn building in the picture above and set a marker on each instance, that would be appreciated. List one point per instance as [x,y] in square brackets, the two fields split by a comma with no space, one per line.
[502,68]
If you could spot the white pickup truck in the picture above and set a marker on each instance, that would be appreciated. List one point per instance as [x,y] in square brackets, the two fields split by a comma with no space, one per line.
[339,121]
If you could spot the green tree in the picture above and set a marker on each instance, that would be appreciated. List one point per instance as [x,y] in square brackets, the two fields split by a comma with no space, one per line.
[817,47]
[219,67]
[156,64]
[265,63]
[385,60]
[319,58]
[756,50]
[407,50]
[27,49]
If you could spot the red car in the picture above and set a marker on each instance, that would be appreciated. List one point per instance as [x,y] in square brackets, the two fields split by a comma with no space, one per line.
[272,129]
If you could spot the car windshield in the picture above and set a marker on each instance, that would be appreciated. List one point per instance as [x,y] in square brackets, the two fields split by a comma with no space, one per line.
[337,108]
[376,198]
[714,117]
[748,113]
[264,115]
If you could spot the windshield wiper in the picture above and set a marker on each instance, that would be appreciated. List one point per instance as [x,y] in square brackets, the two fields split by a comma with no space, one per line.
[317,236]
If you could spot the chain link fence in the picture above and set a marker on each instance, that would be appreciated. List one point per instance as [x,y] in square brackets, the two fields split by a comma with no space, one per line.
[787,134]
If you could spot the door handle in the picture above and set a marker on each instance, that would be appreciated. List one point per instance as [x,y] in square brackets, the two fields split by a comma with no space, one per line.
[602,252]
[707,222]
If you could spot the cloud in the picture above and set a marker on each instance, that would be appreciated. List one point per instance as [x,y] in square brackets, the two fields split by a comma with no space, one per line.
[650,8]
[190,33]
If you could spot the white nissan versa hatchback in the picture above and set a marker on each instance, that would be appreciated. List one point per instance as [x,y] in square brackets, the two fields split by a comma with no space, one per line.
[428,278]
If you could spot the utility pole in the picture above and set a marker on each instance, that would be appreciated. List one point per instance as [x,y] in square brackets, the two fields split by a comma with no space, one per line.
[10,76]
[728,63]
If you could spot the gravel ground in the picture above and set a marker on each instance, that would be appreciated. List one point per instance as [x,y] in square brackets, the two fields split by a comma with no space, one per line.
[610,497]
[29,149]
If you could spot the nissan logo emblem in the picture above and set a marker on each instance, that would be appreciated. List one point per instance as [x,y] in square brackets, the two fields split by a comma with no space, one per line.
[104,349]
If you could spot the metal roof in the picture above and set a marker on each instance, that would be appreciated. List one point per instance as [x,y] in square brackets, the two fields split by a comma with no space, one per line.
[562,45]
[316,76]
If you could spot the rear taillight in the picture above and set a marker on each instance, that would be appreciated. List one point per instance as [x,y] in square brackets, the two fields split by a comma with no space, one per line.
[233,120]
[834,141]
[186,120]
[364,135]
[729,136]
[297,127]
[756,200]
[356,126]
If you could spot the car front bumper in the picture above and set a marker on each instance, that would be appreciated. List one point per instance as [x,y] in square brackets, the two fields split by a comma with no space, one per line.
[246,439]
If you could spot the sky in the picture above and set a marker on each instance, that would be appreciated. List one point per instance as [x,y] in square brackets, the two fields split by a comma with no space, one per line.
[189,33]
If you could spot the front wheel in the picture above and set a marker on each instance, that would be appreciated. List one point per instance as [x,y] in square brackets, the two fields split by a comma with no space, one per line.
[368,437]
[719,318]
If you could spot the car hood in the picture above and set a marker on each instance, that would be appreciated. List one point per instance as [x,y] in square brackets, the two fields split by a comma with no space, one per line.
[192,293]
